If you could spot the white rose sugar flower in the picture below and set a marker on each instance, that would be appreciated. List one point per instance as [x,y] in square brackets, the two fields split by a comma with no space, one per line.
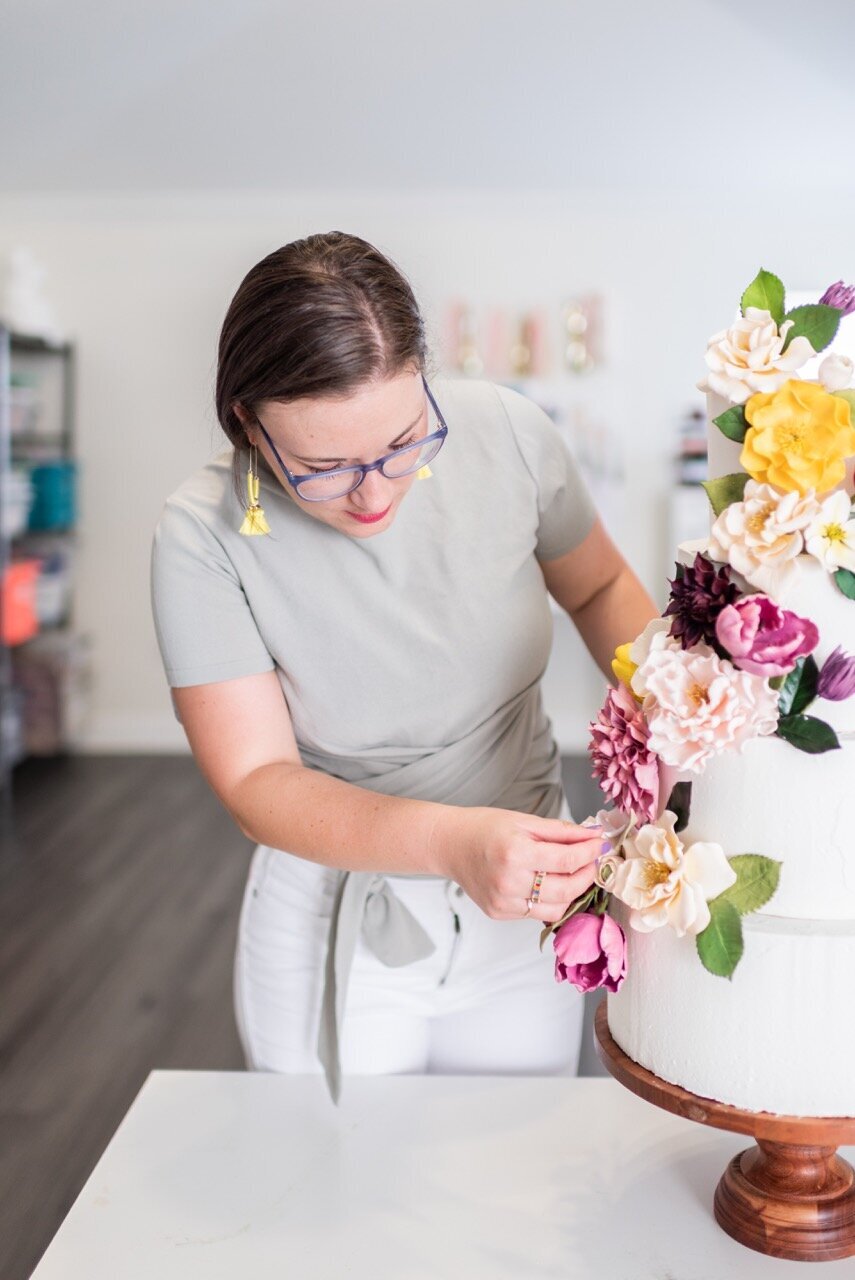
[761,536]
[662,882]
[749,356]
[835,372]
[831,536]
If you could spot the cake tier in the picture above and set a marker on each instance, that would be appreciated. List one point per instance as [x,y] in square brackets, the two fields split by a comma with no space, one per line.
[812,593]
[797,808]
[777,1037]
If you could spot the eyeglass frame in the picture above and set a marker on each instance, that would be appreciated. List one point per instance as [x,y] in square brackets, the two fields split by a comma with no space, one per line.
[295,481]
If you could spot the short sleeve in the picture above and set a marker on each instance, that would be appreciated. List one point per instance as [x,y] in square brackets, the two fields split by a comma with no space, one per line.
[566,511]
[205,628]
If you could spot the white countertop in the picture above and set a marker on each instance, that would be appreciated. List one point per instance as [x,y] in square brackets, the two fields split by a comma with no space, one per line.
[249,1176]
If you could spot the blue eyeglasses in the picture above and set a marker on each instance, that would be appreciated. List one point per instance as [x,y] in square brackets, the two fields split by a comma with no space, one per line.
[323,486]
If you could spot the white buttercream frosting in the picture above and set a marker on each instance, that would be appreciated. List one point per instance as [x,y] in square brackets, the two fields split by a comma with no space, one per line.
[776,1037]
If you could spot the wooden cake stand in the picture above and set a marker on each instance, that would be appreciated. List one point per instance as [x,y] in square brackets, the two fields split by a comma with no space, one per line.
[791,1195]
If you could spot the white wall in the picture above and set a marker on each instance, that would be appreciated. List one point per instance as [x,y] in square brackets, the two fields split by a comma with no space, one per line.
[141,283]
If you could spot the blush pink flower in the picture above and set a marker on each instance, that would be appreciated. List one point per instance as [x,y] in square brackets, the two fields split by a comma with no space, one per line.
[698,706]
[590,952]
[763,638]
[624,764]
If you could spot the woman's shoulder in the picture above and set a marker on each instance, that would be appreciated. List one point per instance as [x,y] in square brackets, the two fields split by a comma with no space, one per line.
[205,499]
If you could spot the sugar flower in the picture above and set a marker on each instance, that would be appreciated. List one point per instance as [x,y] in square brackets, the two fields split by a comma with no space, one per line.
[835,372]
[662,882]
[655,636]
[749,356]
[761,536]
[614,825]
[763,638]
[590,952]
[698,594]
[699,705]
[624,765]
[799,438]
[622,664]
[831,535]
[607,865]
[841,296]
[837,676]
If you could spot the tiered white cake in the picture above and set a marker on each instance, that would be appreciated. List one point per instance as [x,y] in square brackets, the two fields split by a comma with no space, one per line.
[770,1028]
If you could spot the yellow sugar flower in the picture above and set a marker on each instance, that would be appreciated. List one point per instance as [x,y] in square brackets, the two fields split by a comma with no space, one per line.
[623,666]
[799,438]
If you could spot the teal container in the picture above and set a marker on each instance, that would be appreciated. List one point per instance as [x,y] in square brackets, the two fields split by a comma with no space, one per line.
[55,495]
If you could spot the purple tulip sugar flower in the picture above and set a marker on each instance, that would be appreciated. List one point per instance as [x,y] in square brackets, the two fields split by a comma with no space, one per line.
[841,296]
[590,952]
[837,677]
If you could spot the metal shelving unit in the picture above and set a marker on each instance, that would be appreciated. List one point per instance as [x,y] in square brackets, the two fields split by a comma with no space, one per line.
[22,352]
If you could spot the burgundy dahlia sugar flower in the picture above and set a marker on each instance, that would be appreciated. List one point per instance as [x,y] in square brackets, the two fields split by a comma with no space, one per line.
[590,952]
[762,638]
[698,594]
[837,676]
[840,295]
[625,767]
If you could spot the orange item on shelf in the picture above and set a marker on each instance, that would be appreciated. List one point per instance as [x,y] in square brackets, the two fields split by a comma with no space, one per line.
[18,601]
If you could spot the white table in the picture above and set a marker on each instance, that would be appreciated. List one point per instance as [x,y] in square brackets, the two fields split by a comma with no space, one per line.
[257,1177]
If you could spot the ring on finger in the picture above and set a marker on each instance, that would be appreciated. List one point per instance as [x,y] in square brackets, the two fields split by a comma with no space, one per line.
[539,877]
[528,906]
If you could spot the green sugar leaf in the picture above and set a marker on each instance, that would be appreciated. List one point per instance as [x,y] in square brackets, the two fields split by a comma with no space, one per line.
[817,322]
[756,880]
[808,734]
[720,944]
[799,687]
[849,397]
[725,489]
[733,423]
[767,292]
[845,580]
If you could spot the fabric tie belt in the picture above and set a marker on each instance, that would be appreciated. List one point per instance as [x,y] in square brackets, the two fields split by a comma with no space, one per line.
[509,761]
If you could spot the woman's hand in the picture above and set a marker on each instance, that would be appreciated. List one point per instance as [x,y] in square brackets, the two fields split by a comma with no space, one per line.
[493,854]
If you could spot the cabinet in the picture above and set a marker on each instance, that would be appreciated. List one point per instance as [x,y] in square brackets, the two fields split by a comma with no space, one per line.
[40,652]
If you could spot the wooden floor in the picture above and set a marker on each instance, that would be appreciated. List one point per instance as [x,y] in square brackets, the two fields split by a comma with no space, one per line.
[118,914]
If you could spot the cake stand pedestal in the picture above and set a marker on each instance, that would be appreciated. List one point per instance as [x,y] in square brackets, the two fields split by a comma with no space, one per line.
[791,1195]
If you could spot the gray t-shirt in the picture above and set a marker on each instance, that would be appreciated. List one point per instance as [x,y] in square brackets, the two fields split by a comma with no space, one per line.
[401,646]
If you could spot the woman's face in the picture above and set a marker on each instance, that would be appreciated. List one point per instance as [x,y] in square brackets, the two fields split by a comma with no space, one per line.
[320,433]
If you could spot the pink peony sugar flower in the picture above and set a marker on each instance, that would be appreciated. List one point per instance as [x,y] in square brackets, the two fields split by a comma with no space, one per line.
[625,767]
[590,952]
[698,706]
[837,678]
[763,638]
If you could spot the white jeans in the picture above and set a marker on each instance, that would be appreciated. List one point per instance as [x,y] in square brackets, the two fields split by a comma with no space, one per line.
[485,1002]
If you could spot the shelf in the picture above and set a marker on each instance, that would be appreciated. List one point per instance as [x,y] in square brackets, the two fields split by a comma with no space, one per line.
[38,346]
[64,531]
[37,437]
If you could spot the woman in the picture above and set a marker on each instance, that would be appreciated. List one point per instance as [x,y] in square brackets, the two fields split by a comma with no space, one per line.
[360,682]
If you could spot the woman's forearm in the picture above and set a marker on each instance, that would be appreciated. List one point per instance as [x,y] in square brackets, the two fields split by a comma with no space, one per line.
[616,614]
[338,824]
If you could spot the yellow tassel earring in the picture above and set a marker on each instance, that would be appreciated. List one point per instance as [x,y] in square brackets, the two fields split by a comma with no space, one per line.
[254,521]
[424,473]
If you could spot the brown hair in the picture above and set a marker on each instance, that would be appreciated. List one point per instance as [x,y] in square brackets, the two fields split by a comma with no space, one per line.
[318,317]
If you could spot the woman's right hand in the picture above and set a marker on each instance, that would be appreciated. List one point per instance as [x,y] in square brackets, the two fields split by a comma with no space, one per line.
[494,854]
